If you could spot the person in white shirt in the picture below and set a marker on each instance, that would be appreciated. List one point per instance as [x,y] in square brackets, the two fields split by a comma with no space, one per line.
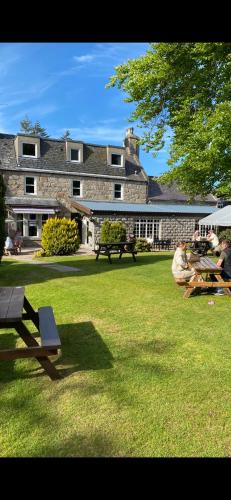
[196,236]
[8,245]
[180,267]
[213,241]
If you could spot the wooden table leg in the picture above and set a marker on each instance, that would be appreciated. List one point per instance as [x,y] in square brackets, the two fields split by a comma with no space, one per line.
[30,341]
[31,313]
[189,290]
[220,279]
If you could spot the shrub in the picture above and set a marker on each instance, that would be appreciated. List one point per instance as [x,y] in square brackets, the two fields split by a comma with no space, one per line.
[60,237]
[112,232]
[40,253]
[2,217]
[142,245]
[225,235]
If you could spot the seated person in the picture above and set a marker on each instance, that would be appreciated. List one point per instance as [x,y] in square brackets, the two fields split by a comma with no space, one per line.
[224,262]
[213,241]
[180,266]
[8,245]
[195,238]
[18,241]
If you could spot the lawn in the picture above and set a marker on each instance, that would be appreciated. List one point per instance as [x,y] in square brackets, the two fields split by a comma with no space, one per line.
[146,373]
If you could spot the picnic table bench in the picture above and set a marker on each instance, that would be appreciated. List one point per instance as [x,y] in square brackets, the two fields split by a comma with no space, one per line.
[204,267]
[109,249]
[12,304]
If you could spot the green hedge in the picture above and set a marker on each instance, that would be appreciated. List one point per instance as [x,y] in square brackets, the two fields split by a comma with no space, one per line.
[225,235]
[112,232]
[60,237]
[142,245]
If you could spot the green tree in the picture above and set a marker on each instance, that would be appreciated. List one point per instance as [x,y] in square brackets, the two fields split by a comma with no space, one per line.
[66,135]
[60,237]
[28,128]
[2,217]
[112,232]
[184,88]
[26,125]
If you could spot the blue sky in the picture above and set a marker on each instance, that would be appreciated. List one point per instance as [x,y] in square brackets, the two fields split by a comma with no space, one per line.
[63,86]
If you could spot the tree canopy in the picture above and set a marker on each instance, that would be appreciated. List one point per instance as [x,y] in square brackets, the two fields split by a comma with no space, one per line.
[66,135]
[27,127]
[184,88]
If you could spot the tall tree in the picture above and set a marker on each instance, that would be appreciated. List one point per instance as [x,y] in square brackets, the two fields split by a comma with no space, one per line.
[26,125]
[66,135]
[28,128]
[185,88]
[38,130]
[2,217]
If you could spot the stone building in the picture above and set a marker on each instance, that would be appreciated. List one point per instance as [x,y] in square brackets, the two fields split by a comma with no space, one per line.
[50,177]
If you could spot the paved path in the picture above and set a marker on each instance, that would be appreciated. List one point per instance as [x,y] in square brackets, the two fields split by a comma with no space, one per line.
[56,267]
[27,255]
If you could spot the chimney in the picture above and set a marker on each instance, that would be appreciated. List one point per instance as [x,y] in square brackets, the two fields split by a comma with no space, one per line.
[131,143]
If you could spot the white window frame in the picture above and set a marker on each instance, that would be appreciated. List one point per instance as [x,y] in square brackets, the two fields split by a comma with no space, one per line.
[121,190]
[81,188]
[147,228]
[205,228]
[36,150]
[35,185]
[79,155]
[121,160]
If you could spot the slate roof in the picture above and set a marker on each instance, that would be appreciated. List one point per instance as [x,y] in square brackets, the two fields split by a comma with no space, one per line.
[171,193]
[53,157]
[107,206]
[31,202]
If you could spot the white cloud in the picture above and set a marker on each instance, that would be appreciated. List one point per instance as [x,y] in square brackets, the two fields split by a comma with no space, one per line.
[84,59]
[97,134]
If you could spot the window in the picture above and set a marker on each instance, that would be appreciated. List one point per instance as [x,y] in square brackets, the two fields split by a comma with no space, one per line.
[19,219]
[75,155]
[116,160]
[147,228]
[204,230]
[76,188]
[118,191]
[28,149]
[44,218]
[32,225]
[30,185]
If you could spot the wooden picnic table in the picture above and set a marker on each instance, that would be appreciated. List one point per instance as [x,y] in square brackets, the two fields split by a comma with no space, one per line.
[12,304]
[109,249]
[204,268]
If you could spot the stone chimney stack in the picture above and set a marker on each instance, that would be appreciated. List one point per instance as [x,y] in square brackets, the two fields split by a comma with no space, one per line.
[131,143]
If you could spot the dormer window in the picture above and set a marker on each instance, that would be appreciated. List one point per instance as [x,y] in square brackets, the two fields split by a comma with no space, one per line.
[75,155]
[29,149]
[116,160]
[115,157]
[74,151]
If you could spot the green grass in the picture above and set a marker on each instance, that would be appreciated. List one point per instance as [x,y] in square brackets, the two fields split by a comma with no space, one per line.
[145,372]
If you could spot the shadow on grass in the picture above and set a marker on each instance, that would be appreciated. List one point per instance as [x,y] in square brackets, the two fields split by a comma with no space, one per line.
[82,349]
[27,274]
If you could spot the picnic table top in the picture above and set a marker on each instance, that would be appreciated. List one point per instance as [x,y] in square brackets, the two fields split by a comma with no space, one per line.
[11,303]
[205,265]
[116,243]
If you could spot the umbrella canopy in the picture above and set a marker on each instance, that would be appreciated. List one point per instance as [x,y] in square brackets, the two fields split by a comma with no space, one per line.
[221,217]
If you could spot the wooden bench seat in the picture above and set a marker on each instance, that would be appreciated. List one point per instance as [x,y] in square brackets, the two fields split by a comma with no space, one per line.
[203,284]
[48,329]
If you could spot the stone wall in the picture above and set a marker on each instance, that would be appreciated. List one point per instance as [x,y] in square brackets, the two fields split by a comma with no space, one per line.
[174,228]
[93,188]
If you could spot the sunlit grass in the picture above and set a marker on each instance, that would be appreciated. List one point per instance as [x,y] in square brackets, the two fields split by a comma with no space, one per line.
[145,372]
